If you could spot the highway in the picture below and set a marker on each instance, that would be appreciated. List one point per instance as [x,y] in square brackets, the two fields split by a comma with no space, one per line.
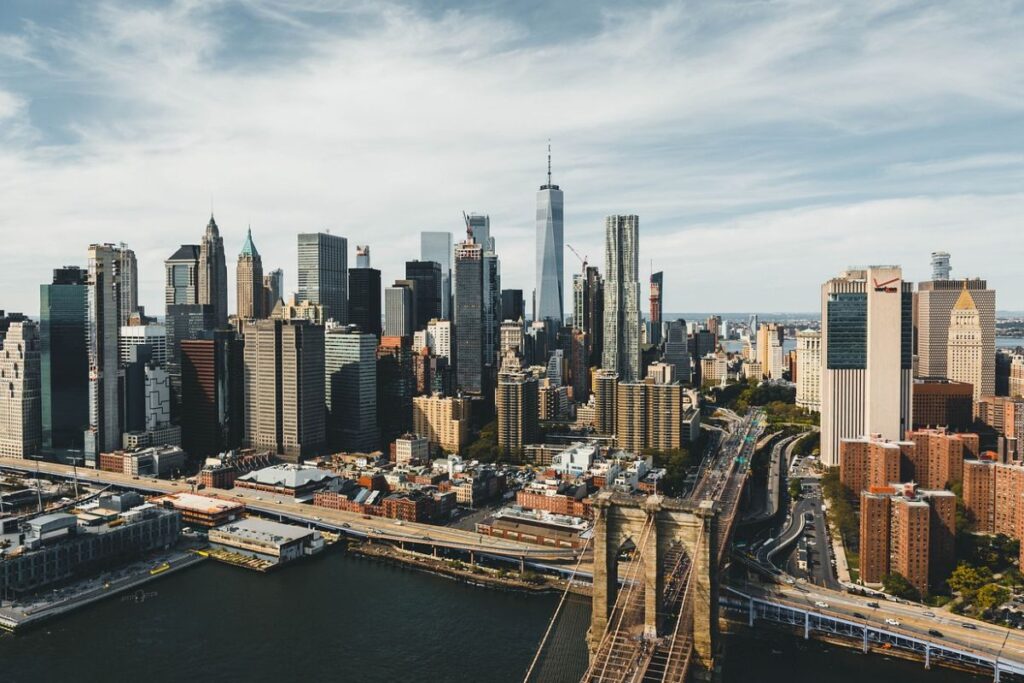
[919,621]
[341,521]
[773,494]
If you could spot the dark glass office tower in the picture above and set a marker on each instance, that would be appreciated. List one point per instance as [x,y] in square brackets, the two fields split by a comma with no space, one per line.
[364,299]
[65,362]
[677,350]
[469,342]
[427,276]
[184,321]
[512,304]
[437,247]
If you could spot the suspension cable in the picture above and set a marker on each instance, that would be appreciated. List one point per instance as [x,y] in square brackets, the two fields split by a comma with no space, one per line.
[621,614]
[558,609]
[686,593]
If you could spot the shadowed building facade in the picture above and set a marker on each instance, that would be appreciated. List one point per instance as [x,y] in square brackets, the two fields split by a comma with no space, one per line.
[64,363]
[212,391]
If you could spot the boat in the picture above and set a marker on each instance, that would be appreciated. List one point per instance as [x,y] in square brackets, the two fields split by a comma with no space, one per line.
[160,568]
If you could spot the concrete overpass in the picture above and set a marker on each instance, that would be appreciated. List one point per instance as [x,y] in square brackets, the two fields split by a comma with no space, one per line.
[933,635]
[340,521]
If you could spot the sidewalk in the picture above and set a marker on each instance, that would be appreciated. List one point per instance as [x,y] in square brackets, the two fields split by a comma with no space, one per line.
[838,550]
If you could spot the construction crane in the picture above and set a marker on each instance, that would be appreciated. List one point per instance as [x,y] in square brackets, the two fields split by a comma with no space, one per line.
[583,259]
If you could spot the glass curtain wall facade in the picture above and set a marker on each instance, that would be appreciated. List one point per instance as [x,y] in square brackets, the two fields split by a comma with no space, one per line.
[437,247]
[64,361]
[323,273]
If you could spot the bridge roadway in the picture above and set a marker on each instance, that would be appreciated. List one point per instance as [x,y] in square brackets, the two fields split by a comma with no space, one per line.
[340,521]
[939,628]
[725,475]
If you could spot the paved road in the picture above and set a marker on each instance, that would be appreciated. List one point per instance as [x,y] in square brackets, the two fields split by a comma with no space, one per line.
[771,498]
[339,519]
[914,619]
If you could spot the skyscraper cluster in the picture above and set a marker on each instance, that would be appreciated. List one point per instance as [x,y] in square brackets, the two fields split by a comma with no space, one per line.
[879,333]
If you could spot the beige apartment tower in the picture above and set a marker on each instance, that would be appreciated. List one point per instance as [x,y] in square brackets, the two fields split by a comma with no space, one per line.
[808,375]
[515,402]
[649,415]
[443,420]
[605,386]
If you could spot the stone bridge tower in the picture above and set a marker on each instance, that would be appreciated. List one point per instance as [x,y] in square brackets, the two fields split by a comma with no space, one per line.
[620,517]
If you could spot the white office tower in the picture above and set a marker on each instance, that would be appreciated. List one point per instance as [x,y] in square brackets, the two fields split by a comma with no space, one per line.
[549,258]
[437,247]
[103,311]
[940,265]
[439,338]
[512,338]
[399,318]
[154,335]
[622,321]
[808,369]
[866,357]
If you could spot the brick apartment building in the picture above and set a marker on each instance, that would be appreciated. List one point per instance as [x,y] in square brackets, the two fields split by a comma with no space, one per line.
[908,531]
[937,458]
[870,462]
[932,458]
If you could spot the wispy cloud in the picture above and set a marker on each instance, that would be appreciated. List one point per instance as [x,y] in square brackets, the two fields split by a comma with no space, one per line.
[748,136]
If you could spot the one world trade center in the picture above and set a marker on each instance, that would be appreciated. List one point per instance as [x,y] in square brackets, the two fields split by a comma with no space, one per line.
[549,251]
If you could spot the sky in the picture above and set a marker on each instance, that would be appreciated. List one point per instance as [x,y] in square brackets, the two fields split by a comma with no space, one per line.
[764,145]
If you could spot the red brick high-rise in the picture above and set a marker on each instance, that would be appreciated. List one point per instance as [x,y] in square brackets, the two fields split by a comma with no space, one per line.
[212,411]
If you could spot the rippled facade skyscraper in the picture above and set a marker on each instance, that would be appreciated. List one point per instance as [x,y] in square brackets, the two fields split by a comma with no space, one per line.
[622,298]
[549,251]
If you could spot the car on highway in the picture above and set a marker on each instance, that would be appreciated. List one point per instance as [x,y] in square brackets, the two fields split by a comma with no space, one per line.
[929,614]
[935,632]
[858,615]
[873,605]
[345,525]
[892,622]
[969,625]
[822,604]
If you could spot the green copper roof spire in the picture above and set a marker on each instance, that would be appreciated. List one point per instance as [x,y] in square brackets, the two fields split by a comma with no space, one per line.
[249,249]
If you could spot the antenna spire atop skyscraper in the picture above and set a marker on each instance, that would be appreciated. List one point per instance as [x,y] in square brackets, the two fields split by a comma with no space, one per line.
[549,162]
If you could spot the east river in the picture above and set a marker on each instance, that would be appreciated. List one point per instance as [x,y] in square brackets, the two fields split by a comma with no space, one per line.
[339,618]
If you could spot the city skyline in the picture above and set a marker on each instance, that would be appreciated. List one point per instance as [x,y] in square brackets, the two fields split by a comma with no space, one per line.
[875,175]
